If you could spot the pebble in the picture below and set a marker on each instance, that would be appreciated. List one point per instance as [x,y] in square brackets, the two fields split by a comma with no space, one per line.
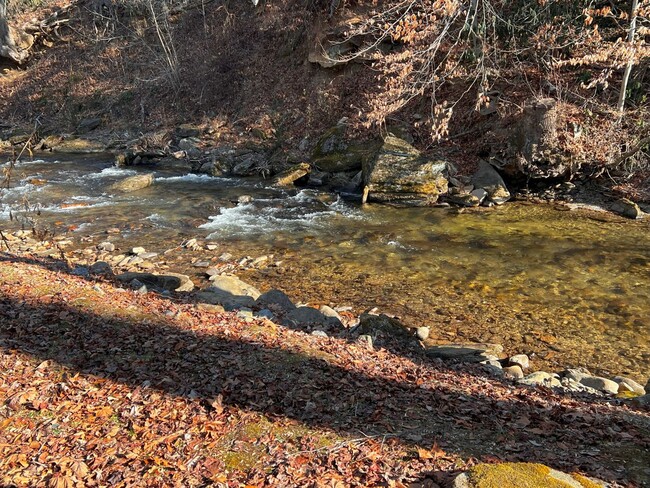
[226,256]
[138,250]
[211,247]
[319,333]
[202,264]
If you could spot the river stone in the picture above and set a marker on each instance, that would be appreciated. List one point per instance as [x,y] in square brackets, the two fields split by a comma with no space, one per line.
[133,183]
[232,285]
[520,360]
[305,315]
[293,175]
[383,326]
[275,298]
[513,372]
[519,475]
[596,382]
[78,146]
[138,250]
[169,281]
[468,352]
[626,208]
[489,180]
[628,385]
[541,378]
[400,174]
[106,246]
[422,333]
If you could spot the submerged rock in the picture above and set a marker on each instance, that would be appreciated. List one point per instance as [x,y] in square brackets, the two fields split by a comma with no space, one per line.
[400,174]
[133,183]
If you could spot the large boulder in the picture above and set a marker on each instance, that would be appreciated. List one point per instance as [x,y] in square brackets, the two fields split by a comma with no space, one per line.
[400,174]
[488,179]
[133,183]
[334,154]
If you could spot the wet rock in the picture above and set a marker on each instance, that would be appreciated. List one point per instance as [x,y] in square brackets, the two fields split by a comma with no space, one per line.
[233,286]
[422,333]
[244,199]
[468,352]
[170,281]
[627,385]
[488,179]
[541,378]
[513,372]
[627,208]
[275,298]
[133,183]
[531,475]
[293,175]
[400,174]
[479,193]
[305,315]
[520,360]
[106,246]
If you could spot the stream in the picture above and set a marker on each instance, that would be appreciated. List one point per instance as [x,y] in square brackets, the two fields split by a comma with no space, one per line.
[570,288]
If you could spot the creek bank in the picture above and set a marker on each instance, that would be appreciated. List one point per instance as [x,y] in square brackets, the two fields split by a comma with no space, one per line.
[142,272]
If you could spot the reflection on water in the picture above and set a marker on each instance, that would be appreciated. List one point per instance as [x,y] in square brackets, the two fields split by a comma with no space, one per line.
[571,290]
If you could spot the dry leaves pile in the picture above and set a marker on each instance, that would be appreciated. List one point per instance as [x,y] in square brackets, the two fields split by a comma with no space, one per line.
[103,387]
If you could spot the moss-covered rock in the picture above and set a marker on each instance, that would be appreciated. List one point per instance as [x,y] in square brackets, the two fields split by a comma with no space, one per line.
[521,475]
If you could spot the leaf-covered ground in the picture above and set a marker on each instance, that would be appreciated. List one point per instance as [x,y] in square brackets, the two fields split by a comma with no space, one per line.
[107,387]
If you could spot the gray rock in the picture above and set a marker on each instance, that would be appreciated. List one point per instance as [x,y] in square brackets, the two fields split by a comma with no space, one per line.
[627,208]
[100,268]
[489,180]
[106,246]
[400,174]
[228,301]
[422,333]
[202,264]
[147,255]
[493,367]
[378,326]
[541,378]
[468,352]
[479,193]
[305,315]
[364,340]
[513,372]
[519,360]
[626,385]
[275,298]
[266,313]
[245,312]
[137,250]
[189,144]
[233,285]
[133,183]
[169,281]
[596,382]
[642,401]
[319,333]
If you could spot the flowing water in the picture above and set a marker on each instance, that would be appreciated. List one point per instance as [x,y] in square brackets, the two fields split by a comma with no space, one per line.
[570,288]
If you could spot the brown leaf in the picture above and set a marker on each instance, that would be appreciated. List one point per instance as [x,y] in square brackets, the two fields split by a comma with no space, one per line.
[60,480]
[80,469]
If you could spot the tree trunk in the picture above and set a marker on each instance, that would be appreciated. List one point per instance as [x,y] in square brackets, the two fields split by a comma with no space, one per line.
[14,44]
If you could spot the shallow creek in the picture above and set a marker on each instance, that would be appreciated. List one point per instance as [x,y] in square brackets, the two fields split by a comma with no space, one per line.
[572,288]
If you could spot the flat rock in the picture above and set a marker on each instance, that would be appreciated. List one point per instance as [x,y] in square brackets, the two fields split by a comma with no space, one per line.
[133,183]
[169,281]
[467,352]
[233,285]
[226,300]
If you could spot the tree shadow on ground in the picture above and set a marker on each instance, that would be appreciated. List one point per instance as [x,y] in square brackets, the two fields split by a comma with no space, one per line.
[419,404]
